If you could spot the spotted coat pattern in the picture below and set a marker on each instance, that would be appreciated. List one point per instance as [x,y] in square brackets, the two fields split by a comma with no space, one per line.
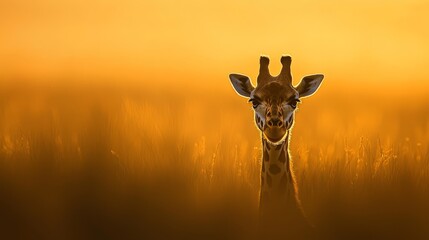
[278,186]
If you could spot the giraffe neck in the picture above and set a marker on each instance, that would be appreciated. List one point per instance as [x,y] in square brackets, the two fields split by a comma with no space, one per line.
[278,187]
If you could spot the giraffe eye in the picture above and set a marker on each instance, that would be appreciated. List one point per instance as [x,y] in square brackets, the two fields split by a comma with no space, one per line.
[293,103]
[255,104]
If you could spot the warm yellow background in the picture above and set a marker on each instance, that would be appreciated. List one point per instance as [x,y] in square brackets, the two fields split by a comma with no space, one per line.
[117,116]
[199,42]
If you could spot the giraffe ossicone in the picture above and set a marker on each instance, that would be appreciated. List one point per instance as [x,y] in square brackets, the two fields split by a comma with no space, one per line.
[274,101]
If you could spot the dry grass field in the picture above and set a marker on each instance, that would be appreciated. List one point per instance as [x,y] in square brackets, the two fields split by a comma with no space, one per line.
[102,162]
[118,120]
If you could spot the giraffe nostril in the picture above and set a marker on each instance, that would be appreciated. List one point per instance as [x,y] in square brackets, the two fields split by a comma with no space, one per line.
[275,123]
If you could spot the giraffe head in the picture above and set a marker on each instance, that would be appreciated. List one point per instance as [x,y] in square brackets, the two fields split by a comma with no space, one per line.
[275,99]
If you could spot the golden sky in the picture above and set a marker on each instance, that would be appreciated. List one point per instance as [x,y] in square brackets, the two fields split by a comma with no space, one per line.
[182,41]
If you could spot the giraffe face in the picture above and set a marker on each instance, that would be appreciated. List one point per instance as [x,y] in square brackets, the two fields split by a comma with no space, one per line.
[274,99]
[274,105]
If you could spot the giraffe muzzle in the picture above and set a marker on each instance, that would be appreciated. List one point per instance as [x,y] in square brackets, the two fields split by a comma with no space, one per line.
[275,122]
[275,129]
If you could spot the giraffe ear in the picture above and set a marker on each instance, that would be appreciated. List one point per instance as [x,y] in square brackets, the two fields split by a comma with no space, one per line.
[241,84]
[309,85]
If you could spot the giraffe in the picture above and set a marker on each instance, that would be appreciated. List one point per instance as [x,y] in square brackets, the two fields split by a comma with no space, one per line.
[274,101]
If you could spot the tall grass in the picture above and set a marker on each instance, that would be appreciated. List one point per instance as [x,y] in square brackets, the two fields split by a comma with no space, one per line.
[84,163]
